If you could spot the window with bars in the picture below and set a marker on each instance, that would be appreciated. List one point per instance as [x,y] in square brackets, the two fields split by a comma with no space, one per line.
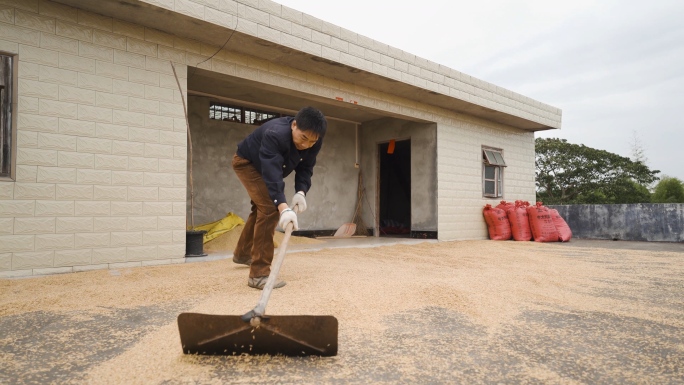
[7,110]
[223,112]
[259,117]
[492,172]
[240,114]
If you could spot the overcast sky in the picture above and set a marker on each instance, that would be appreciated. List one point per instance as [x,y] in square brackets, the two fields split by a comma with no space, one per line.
[615,68]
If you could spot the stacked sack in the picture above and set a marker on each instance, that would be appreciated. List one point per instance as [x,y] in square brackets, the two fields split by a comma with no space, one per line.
[520,223]
[541,223]
[564,232]
[497,223]
[525,222]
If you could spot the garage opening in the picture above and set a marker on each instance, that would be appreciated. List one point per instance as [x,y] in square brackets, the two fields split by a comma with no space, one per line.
[223,110]
[395,188]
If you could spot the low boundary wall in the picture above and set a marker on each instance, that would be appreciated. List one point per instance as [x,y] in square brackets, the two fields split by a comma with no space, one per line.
[662,222]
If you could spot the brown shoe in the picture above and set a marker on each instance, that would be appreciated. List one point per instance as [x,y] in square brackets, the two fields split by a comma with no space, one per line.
[260,282]
[247,262]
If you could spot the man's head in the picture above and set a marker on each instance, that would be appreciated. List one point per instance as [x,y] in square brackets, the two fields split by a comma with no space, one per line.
[309,125]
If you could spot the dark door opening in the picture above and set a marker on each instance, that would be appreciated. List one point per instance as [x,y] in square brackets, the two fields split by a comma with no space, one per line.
[395,189]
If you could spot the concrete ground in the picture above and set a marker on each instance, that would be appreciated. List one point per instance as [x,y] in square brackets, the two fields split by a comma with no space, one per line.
[633,332]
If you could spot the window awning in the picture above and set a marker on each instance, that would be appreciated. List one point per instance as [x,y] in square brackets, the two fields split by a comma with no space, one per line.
[493,157]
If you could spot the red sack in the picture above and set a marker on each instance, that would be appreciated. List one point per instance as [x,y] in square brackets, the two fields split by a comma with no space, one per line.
[520,224]
[505,205]
[497,223]
[541,224]
[564,232]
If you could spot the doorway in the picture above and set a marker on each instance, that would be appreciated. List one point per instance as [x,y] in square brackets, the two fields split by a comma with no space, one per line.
[394,192]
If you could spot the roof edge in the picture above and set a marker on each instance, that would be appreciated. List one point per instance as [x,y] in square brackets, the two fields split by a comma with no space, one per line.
[271,31]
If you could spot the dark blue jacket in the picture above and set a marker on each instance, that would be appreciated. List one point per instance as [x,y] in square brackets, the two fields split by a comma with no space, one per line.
[272,152]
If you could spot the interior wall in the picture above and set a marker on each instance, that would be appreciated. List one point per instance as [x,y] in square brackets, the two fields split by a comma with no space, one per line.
[423,167]
[217,191]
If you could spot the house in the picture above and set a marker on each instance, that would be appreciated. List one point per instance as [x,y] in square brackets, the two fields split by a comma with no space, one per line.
[95,138]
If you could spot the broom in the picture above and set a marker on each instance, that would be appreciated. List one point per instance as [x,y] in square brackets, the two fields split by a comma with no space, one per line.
[361,228]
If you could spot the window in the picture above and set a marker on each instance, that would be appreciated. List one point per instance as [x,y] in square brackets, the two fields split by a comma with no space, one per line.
[8,104]
[259,117]
[240,114]
[492,172]
[221,112]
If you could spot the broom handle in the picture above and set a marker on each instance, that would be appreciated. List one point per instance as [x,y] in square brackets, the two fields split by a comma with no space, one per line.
[260,308]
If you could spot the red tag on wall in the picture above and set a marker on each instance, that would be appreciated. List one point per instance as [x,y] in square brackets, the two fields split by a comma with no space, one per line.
[390,148]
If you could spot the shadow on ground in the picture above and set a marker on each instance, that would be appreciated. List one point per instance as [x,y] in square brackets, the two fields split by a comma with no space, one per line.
[48,347]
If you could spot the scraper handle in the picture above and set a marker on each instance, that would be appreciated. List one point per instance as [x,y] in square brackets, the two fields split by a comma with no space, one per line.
[254,316]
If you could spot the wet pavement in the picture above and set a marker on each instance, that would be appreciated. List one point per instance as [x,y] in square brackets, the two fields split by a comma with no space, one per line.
[59,347]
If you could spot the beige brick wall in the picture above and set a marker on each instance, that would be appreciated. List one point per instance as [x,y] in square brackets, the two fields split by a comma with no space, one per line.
[102,149]
[459,169]
[101,143]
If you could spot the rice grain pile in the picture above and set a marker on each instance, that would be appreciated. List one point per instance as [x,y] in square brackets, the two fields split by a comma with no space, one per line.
[471,311]
[225,243]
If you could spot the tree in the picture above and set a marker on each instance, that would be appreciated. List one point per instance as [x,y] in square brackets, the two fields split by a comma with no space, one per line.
[569,173]
[639,154]
[669,190]
[637,147]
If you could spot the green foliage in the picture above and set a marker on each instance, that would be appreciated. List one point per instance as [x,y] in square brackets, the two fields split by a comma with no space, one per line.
[568,173]
[669,190]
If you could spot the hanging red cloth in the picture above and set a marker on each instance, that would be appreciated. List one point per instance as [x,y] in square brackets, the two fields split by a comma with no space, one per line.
[390,147]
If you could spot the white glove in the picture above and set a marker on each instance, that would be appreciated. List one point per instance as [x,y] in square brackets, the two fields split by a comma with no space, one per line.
[299,199]
[287,216]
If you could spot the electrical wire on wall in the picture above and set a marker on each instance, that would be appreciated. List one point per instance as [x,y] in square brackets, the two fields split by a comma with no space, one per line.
[187,123]
[237,20]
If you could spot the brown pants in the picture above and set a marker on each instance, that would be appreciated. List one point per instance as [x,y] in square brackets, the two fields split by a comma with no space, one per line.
[256,240]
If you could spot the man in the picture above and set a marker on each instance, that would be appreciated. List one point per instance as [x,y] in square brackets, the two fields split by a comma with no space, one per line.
[263,160]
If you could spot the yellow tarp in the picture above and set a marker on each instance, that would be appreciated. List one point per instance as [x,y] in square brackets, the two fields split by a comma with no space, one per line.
[215,229]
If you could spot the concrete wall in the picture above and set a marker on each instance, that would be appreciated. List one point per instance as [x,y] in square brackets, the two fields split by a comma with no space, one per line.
[101,145]
[331,200]
[629,222]
[216,188]
[459,165]
[423,167]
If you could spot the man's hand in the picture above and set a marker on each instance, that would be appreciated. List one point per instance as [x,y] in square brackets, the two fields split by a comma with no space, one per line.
[299,199]
[287,216]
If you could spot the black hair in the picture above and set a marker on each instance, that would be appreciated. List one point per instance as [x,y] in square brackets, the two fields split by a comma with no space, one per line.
[311,119]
